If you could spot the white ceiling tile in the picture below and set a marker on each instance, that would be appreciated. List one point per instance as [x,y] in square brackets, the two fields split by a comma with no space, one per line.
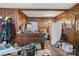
[42,13]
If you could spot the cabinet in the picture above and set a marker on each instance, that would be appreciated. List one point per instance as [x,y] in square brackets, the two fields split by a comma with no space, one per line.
[23,39]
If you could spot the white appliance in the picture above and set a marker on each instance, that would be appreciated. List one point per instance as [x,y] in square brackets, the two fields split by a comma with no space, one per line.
[55,32]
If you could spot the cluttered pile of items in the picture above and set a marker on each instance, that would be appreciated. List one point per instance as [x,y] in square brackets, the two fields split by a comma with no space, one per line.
[7,34]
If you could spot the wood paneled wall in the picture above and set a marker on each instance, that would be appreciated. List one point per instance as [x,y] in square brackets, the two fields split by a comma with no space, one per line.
[15,14]
[66,16]
[42,21]
[21,16]
[8,12]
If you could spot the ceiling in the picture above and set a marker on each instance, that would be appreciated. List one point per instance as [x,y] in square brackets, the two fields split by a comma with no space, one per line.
[37,5]
[42,13]
[32,13]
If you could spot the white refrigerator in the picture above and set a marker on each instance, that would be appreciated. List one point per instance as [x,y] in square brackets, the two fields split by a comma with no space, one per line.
[55,30]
